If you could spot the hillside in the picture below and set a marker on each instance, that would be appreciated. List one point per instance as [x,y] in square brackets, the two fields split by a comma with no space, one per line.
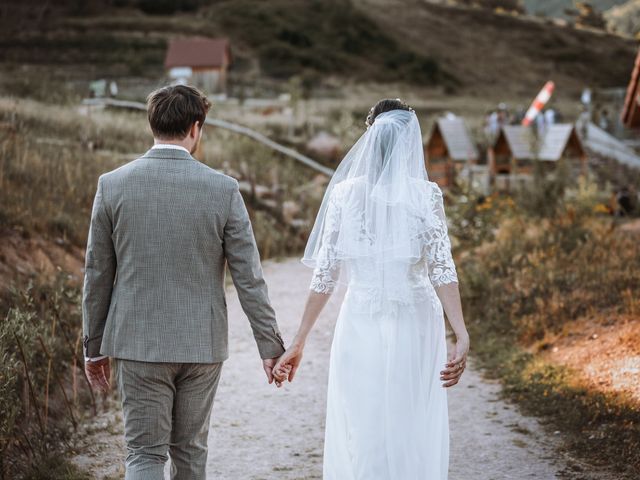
[492,52]
[467,51]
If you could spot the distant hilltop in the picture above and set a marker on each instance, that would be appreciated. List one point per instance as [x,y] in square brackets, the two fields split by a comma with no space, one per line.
[462,46]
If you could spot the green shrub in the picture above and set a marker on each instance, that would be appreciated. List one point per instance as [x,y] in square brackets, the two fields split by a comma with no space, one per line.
[40,356]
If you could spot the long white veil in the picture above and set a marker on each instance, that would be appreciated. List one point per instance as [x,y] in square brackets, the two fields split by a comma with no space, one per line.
[377,207]
[381,228]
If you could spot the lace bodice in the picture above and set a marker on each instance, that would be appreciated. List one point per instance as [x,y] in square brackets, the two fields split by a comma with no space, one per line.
[435,267]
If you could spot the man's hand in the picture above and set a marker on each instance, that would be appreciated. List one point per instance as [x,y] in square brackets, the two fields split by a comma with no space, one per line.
[268,365]
[98,373]
[288,363]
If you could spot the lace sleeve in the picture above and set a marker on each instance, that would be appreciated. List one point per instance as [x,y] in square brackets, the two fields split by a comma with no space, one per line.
[442,269]
[327,270]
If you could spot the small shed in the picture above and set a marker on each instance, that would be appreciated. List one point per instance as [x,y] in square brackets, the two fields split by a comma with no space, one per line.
[631,111]
[517,148]
[448,149]
[200,61]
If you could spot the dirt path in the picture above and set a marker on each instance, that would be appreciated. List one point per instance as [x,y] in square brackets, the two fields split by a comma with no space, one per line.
[260,432]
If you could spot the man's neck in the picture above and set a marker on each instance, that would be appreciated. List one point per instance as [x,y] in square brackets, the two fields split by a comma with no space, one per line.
[177,143]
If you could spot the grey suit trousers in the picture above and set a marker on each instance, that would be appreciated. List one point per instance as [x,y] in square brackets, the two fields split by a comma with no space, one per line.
[167,409]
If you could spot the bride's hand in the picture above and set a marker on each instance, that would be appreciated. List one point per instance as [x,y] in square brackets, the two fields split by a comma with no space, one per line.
[288,363]
[281,374]
[456,363]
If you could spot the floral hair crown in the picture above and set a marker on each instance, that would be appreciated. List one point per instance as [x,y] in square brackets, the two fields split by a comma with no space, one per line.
[369,121]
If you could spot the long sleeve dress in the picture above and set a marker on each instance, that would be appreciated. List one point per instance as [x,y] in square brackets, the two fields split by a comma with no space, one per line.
[387,416]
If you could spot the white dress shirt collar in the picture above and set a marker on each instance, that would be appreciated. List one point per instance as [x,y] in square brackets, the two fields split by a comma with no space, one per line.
[169,145]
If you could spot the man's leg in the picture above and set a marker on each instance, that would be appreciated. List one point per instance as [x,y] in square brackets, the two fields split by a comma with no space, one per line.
[196,385]
[147,393]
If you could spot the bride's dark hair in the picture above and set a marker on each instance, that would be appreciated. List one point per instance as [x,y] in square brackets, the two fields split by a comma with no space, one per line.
[386,105]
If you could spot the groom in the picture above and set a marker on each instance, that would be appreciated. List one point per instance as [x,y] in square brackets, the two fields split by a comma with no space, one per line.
[163,228]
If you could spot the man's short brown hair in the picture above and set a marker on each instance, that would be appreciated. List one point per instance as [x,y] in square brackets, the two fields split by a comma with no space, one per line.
[174,109]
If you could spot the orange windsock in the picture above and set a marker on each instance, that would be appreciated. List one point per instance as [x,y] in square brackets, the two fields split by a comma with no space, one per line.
[538,104]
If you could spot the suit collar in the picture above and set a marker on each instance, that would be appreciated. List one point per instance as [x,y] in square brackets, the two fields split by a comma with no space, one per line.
[168,154]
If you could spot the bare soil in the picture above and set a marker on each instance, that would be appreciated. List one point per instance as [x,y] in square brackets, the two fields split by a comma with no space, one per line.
[605,356]
[23,255]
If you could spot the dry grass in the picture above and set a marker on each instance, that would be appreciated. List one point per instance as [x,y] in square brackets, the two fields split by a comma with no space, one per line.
[50,160]
[528,289]
[51,157]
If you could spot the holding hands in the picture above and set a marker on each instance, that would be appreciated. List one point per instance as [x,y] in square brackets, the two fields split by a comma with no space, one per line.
[268,365]
[288,363]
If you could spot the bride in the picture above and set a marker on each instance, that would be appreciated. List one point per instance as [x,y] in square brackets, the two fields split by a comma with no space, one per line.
[382,231]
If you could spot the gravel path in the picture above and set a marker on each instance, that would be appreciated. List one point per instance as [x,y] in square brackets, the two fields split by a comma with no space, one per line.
[260,432]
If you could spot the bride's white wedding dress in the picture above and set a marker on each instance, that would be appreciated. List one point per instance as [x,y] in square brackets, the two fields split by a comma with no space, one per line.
[387,416]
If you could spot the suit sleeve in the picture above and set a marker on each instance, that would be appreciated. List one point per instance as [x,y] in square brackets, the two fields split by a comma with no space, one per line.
[243,259]
[100,270]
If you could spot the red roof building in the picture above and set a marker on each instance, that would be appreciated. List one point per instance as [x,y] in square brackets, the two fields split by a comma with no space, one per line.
[631,110]
[199,61]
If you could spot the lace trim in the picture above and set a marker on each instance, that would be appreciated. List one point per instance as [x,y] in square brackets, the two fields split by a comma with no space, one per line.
[430,230]
[327,271]
[323,282]
[437,245]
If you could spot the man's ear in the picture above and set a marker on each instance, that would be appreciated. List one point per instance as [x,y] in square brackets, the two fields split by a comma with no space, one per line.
[193,133]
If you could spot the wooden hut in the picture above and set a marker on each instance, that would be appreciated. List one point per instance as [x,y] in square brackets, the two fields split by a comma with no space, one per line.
[200,61]
[517,148]
[631,110]
[448,149]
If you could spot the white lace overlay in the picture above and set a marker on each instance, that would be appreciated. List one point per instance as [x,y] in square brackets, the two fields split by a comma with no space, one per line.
[435,267]
[327,270]
[441,267]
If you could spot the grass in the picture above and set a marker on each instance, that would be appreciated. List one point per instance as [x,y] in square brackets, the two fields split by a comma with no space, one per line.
[52,157]
[599,428]
[531,275]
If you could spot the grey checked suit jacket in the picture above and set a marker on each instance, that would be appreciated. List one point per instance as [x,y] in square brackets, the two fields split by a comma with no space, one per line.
[163,227]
